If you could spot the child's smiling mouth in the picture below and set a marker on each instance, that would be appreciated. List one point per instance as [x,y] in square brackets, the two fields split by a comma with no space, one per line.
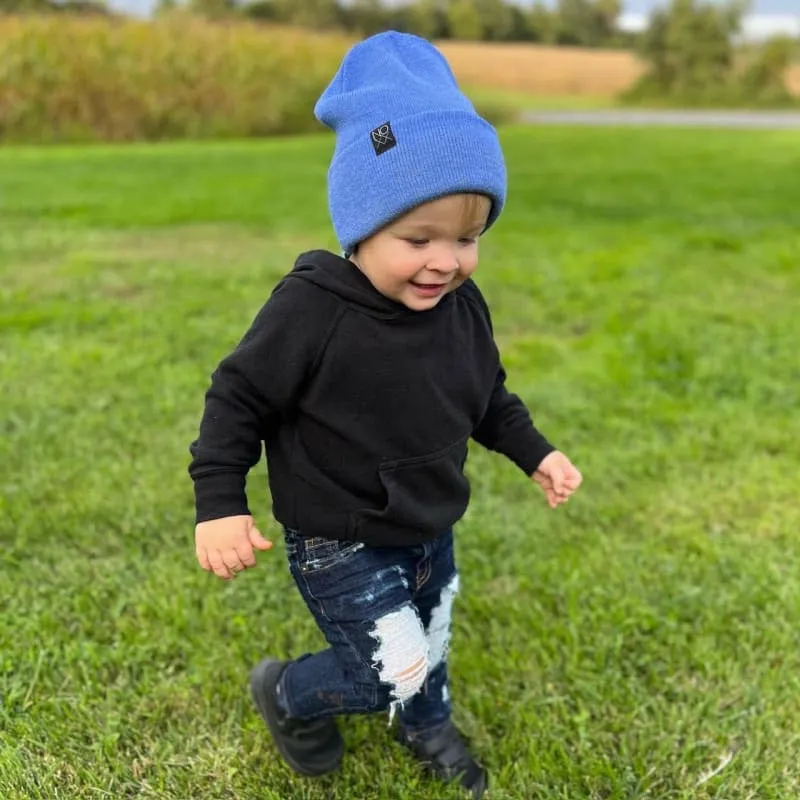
[428,289]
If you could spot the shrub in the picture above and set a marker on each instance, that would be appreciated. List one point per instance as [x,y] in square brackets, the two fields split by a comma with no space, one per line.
[692,57]
[86,79]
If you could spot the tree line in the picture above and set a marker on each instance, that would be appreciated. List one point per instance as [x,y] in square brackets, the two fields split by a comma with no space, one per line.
[585,23]
[588,23]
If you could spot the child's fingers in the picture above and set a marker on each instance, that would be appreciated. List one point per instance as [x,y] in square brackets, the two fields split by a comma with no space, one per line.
[556,493]
[246,555]
[218,565]
[202,557]
[546,487]
[573,479]
[232,561]
[257,540]
[554,499]
[552,495]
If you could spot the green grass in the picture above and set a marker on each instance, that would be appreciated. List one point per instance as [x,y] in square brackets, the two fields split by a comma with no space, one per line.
[503,107]
[523,101]
[646,292]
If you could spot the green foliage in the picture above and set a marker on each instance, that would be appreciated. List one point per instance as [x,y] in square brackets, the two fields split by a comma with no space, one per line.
[765,75]
[426,18]
[464,20]
[365,17]
[24,6]
[211,9]
[582,22]
[87,80]
[692,59]
[497,20]
[82,7]
[588,23]
[542,24]
[316,14]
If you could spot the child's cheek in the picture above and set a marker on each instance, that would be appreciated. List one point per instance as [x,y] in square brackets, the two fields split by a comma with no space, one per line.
[469,265]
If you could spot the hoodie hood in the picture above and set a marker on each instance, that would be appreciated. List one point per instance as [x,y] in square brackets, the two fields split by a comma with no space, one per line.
[343,278]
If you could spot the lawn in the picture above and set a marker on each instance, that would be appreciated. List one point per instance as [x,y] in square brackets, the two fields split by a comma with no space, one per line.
[507,105]
[646,293]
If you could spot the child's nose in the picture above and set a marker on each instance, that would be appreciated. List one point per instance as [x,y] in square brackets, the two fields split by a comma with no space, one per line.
[443,259]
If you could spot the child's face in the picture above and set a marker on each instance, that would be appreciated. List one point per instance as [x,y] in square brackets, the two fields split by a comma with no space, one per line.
[426,253]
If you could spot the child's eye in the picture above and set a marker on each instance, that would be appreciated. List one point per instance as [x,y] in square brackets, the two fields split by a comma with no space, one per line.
[468,240]
[418,242]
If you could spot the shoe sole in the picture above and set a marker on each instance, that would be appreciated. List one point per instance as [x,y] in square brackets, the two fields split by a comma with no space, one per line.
[264,676]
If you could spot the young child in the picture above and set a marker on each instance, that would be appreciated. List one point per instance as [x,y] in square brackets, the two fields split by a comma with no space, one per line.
[365,376]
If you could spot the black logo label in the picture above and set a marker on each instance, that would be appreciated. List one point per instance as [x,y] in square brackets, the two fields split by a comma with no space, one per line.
[383,138]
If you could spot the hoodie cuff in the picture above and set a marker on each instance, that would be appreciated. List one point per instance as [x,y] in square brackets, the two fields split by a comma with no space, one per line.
[220,495]
[530,450]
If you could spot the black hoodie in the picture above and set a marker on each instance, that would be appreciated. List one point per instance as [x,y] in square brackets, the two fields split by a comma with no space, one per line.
[365,407]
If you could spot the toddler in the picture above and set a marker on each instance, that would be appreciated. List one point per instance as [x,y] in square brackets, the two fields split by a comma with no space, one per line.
[365,375]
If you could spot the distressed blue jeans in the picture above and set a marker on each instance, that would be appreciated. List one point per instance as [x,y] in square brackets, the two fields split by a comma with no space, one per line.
[385,612]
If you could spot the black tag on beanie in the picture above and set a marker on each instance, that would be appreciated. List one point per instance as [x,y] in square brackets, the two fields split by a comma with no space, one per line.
[383,138]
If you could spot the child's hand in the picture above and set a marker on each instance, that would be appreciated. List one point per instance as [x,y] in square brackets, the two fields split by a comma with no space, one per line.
[558,478]
[225,546]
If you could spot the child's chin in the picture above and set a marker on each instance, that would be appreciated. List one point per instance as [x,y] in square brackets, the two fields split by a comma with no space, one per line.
[421,303]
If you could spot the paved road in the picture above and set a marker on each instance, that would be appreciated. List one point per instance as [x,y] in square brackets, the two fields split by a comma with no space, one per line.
[692,119]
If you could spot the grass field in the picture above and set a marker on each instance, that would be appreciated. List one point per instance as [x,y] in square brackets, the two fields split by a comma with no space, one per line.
[512,102]
[646,292]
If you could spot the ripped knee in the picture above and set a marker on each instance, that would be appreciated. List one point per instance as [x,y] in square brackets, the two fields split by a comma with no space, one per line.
[401,657]
[439,628]
[411,680]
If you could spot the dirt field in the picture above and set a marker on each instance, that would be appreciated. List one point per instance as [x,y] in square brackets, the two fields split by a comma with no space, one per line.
[550,70]
[541,70]
[793,79]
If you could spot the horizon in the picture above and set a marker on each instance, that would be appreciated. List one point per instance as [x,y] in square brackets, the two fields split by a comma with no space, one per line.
[759,7]
[766,18]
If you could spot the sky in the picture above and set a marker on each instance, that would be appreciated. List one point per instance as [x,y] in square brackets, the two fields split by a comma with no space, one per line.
[790,8]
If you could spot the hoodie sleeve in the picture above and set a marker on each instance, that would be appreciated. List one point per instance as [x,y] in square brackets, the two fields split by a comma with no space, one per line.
[507,426]
[250,391]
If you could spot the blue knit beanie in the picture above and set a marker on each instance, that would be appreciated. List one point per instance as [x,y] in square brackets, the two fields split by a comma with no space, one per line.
[405,134]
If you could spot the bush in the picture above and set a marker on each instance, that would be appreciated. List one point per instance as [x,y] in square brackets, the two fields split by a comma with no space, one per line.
[82,80]
[496,112]
[86,79]
[765,74]
[693,61]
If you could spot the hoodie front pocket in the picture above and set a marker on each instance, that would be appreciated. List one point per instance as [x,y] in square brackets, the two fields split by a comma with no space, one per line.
[427,494]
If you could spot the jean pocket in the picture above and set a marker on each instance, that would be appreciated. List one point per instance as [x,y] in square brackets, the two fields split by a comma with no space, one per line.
[292,540]
[318,554]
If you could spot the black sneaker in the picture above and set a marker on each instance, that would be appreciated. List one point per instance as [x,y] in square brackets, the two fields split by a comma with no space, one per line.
[310,747]
[446,756]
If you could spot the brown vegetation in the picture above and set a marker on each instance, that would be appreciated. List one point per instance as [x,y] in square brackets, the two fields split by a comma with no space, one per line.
[552,70]
[793,80]
[542,70]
